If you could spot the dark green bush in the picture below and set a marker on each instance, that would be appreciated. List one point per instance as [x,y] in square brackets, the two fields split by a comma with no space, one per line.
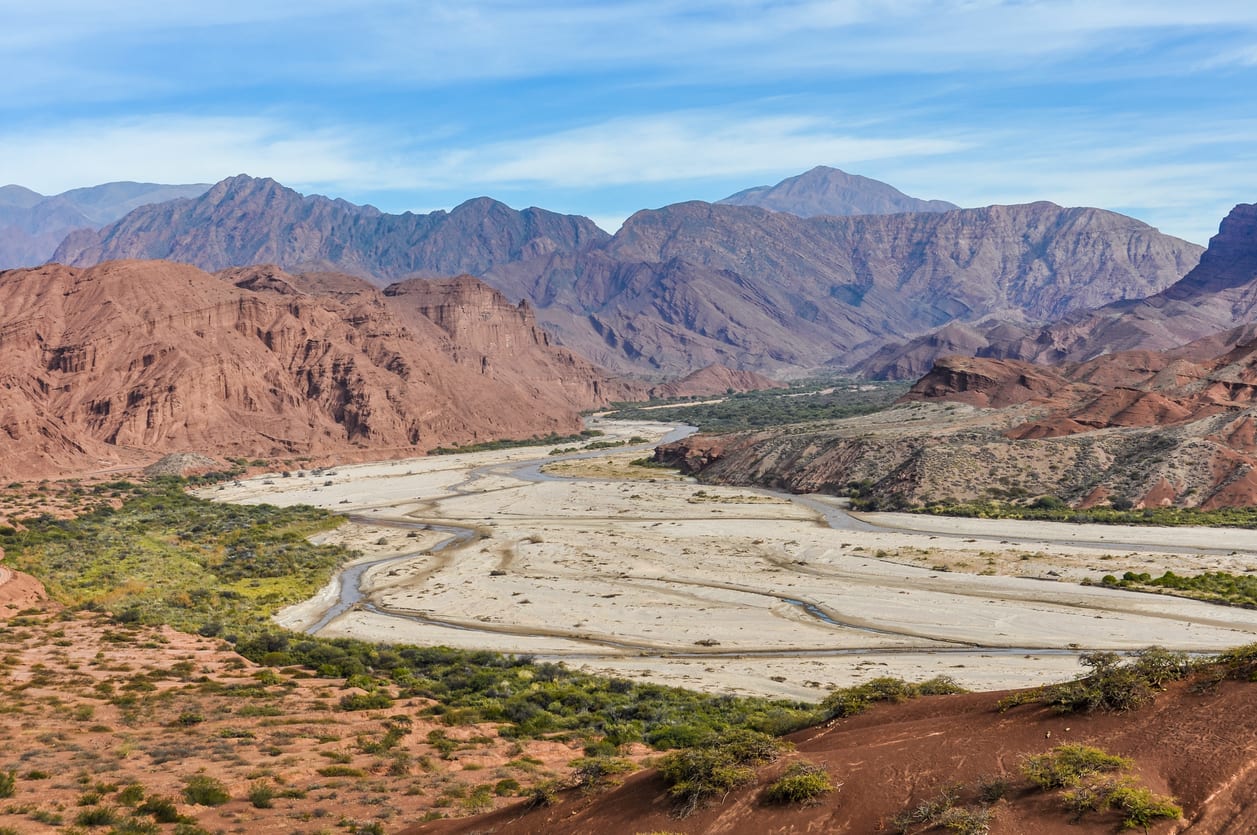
[203,790]
[1067,765]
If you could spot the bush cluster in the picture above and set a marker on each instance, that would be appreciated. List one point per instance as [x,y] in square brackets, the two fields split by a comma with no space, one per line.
[718,764]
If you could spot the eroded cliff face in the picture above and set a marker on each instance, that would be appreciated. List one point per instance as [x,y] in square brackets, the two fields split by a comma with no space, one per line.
[128,360]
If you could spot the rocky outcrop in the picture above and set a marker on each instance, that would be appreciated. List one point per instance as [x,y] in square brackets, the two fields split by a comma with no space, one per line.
[828,191]
[126,361]
[32,225]
[714,379]
[245,220]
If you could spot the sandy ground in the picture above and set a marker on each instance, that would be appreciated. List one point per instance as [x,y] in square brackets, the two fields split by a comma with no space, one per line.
[637,572]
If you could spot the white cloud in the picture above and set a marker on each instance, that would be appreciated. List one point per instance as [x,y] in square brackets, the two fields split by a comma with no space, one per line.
[678,147]
[180,149]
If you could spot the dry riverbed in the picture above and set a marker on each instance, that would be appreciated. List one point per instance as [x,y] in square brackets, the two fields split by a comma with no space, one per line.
[635,571]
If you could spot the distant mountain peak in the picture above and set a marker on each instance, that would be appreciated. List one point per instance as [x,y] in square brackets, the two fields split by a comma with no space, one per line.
[830,191]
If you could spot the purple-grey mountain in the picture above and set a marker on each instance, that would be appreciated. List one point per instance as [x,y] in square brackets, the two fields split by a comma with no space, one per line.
[32,224]
[245,220]
[829,191]
[1220,293]
[692,284]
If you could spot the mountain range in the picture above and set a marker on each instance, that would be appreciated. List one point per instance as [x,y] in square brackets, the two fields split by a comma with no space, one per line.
[33,224]
[694,283]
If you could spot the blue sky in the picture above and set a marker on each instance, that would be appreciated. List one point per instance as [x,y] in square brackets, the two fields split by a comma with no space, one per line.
[1140,106]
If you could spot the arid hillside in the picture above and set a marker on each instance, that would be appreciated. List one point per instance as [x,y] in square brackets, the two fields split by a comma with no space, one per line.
[913,767]
[120,363]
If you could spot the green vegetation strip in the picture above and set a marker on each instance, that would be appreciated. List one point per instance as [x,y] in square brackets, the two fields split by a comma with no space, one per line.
[804,403]
[1211,586]
[1051,509]
[487,446]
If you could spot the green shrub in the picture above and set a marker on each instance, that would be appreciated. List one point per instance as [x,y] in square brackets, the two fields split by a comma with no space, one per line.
[849,701]
[8,783]
[203,790]
[594,773]
[803,782]
[698,775]
[163,809]
[261,794]
[341,771]
[1067,765]
[97,816]
[966,821]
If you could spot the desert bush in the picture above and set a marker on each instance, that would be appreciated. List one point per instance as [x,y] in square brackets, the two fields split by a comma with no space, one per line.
[803,782]
[696,776]
[1067,765]
[163,809]
[261,794]
[599,772]
[966,821]
[849,701]
[8,783]
[203,790]
[545,793]
[97,816]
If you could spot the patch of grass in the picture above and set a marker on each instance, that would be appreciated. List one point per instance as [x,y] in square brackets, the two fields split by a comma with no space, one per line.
[1067,765]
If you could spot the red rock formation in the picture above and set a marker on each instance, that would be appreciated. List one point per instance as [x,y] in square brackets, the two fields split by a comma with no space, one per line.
[714,379]
[129,360]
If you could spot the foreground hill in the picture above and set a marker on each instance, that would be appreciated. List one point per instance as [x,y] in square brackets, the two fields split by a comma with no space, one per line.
[829,191]
[125,361]
[693,284]
[32,224]
[1218,294]
[896,759]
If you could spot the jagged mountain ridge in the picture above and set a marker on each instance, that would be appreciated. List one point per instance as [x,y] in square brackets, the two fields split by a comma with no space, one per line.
[830,191]
[127,360]
[245,220]
[751,288]
[32,224]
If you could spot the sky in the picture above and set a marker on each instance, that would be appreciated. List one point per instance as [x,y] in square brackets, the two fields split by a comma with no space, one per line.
[1140,106]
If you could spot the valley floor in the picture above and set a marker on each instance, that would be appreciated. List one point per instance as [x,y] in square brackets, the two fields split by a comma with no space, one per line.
[634,571]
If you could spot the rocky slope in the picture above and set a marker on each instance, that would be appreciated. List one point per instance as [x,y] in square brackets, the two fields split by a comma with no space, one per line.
[714,379]
[32,224]
[244,220]
[749,288]
[893,759]
[829,191]
[1218,294]
[128,360]
[1141,429]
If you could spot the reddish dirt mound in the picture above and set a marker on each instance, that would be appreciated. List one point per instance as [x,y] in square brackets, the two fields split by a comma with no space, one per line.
[1199,748]
[18,591]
